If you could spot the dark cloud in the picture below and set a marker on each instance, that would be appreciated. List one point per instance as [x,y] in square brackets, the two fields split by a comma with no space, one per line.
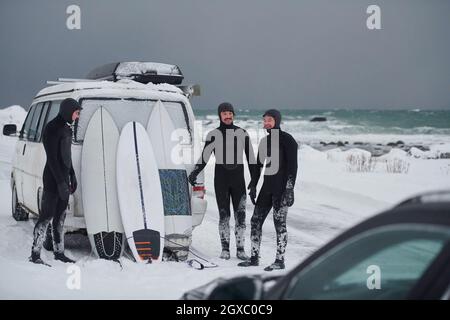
[254,53]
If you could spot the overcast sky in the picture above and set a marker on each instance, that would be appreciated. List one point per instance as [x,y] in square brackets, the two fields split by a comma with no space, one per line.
[253,53]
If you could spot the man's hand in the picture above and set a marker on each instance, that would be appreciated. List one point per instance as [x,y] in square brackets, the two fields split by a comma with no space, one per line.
[63,191]
[252,192]
[73,183]
[192,178]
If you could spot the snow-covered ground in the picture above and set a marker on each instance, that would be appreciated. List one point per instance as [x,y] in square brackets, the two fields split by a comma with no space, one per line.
[329,199]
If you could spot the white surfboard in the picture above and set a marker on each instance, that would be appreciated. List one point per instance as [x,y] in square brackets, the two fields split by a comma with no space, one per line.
[174,183]
[98,185]
[139,190]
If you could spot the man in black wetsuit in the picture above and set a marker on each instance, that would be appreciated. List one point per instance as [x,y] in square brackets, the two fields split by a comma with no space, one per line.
[278,148]
[59,180]
[228,142]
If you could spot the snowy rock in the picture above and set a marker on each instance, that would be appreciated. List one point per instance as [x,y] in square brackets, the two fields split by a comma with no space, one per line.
[440,151]
[418,154]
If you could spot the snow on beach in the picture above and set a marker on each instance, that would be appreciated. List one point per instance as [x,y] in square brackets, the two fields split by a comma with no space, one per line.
[331,196]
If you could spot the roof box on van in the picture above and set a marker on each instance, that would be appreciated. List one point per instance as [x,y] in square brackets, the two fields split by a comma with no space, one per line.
[143,72]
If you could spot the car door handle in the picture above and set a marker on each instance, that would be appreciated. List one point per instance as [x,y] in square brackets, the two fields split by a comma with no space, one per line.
[24,147]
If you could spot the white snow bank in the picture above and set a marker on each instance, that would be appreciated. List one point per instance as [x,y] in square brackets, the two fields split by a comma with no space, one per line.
[337,155]
[394,154]
[308,153]
[12,115]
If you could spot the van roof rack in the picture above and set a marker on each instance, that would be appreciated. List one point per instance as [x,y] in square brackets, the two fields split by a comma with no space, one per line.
[69,80]
[143,72]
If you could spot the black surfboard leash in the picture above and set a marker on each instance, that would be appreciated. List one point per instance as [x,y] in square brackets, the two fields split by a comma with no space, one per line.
[194,263]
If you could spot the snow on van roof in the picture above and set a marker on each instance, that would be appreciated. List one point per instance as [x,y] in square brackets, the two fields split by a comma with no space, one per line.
[124,84]
[125,69]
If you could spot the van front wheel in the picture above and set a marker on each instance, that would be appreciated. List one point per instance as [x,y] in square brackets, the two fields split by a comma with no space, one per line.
[18,213]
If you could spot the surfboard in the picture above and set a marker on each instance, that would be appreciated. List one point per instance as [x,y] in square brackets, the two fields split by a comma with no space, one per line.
[174,184]
[139,191]
[98,186]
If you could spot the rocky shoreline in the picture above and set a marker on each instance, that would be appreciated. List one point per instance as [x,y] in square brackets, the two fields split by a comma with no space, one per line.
[379,149]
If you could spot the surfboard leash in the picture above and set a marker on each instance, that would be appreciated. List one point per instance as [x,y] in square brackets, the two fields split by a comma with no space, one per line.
[191,262]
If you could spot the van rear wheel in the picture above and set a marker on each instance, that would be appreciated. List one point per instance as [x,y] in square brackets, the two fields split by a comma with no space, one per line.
[18,213]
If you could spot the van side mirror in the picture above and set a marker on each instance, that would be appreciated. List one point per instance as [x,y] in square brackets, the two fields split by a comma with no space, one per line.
[196,92]
[9,129]
[191,90]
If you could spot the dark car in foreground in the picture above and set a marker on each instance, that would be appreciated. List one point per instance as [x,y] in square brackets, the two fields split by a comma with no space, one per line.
[402,253]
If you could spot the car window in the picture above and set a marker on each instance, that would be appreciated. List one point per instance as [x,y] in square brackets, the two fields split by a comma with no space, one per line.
[26,124]
[179,116]
[54,110]
[121,110]
[34,122]
[42,121]
[384,263]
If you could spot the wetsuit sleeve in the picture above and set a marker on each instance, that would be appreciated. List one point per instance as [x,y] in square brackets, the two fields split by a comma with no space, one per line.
[206,154]
[291,148]
[52,142]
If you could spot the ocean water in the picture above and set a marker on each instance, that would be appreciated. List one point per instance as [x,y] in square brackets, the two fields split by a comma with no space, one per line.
[424,127]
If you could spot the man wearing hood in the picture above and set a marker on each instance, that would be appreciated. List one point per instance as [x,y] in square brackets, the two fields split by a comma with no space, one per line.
[228,142]
[59,180]
[279,150]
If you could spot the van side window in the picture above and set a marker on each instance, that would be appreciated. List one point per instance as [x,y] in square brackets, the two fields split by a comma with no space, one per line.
[42,121]
[27,123]
[52,111]
[34,122]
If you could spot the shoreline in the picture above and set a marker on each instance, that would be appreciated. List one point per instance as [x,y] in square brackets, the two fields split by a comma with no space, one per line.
[379,149]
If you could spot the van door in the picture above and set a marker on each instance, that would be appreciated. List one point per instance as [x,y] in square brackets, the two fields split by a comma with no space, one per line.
[19,163]
[49,112]
[29,178]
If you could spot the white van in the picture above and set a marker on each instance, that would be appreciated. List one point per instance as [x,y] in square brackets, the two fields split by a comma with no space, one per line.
[126,99]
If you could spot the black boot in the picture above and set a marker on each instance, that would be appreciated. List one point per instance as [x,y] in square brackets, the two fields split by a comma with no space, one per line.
[277,265]
[253,262]
[225,254]
[35,258]
[62,257]
[240,254]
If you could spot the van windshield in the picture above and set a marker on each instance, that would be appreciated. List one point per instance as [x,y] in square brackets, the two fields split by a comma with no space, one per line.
[126,110]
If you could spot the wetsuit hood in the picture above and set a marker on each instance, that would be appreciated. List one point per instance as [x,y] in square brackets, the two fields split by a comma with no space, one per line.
[225,106]
[67,108]
[276,115]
